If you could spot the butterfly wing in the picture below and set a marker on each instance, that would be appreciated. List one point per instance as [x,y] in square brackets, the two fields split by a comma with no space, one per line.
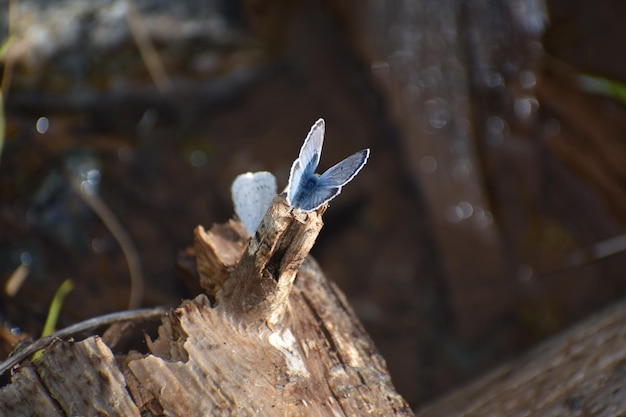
[308,159]
[312,146]
[316,197]
[252,194]
[343,172]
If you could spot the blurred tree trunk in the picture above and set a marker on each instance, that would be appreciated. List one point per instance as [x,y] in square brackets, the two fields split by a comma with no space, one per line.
[579,372]
[456,75]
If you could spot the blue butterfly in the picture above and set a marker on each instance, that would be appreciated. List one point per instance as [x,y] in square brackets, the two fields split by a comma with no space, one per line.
[308,191]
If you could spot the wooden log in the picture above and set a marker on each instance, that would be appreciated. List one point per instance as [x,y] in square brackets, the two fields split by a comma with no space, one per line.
[578,373]
[279,341]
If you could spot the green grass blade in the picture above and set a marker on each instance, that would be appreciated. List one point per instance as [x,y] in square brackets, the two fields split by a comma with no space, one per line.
[55,308]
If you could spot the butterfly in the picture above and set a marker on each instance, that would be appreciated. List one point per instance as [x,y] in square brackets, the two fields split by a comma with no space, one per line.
[308,191]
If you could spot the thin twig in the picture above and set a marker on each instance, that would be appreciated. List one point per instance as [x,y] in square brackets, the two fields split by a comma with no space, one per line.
[121,236]
[83,326]
[146,49]
[15,281]
[9,58]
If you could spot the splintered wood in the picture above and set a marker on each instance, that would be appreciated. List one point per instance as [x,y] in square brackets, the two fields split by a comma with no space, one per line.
[280,340]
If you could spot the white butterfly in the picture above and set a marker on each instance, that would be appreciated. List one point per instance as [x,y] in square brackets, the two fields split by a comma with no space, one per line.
[307,191]
[252,195]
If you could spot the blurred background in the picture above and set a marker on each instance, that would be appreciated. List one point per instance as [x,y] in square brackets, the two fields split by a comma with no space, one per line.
[490,215]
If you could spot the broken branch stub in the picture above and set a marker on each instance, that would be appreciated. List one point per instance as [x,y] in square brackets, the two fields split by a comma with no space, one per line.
[257,289]
[217,253]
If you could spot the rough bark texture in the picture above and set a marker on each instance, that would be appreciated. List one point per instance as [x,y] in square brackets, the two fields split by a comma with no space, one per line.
[70,379]
[266,348]
[27,396]
[261,283]
[581,372]
[229,240]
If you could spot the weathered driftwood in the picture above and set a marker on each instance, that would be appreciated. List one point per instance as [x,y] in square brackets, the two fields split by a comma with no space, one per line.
[581,372]
[268,347]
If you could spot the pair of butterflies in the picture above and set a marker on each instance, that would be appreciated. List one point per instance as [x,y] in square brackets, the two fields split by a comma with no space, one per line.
[306,191]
